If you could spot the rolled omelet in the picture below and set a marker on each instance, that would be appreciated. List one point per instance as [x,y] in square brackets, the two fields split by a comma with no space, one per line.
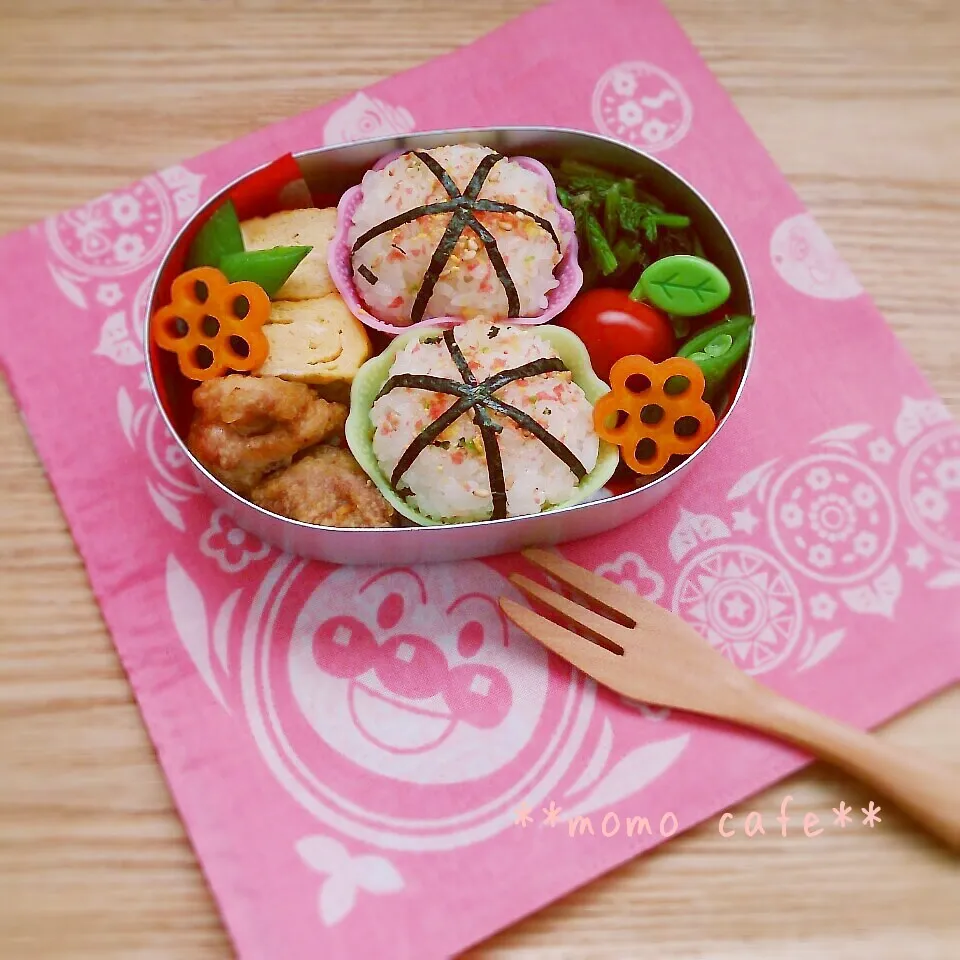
[317,341]
[311,227]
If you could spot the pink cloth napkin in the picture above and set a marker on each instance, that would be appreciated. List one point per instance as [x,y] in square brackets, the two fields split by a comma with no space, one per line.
[348,749]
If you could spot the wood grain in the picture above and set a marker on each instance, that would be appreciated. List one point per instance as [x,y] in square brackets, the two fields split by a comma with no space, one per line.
[859,103]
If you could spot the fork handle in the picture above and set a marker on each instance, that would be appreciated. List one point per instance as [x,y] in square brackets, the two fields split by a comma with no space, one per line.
[927,790]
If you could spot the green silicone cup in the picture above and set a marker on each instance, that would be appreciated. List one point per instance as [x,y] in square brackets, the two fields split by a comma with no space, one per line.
[374,373]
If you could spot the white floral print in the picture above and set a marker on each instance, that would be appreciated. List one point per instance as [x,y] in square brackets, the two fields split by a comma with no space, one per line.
[820,556]
[822,606]
[653,131]
[864,496]
[792,516]
[865,543]
[947,474]
[630,114]
[819,505]
[125,210]
[832,517]
[818,478]
[930,480]
[881,450]
[128,247]
[918,557]
[624,83]
[109,294]
[642,104]
[931,504]
[115,234]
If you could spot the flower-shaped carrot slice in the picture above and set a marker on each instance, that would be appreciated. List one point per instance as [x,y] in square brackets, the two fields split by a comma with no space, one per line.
[213,326]
[653,411]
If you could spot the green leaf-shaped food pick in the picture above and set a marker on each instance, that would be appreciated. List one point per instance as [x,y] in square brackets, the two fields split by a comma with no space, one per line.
[684,286]
[219,236]
[266,268]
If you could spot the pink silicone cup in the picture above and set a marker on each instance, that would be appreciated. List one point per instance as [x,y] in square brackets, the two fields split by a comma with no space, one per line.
[568,271]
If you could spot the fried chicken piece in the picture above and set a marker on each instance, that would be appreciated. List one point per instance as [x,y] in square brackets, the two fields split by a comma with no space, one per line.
[327,486]
[244,427]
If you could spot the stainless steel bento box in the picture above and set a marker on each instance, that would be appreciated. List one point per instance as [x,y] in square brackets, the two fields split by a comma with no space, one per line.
[333,170]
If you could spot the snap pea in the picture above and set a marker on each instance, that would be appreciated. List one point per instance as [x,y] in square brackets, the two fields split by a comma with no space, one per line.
[719,348]
[269,268]
[219,236]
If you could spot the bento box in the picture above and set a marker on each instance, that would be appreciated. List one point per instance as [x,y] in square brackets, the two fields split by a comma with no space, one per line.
[449,345]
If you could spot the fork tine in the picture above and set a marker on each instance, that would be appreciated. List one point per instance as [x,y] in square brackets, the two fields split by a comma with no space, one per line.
[616,600]
[588,657]
[606,631]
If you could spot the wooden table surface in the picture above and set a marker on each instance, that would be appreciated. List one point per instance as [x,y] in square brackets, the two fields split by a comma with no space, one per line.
[859,103]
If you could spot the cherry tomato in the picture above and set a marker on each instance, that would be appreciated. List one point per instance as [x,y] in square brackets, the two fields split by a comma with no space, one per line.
[612,326]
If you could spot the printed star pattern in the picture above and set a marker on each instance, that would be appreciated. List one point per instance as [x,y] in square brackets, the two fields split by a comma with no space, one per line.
[551,815]
[745,520]
[521,816]
[843,815]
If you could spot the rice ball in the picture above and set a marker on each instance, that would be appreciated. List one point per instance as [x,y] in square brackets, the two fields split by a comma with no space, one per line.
[449,481]
[389,269]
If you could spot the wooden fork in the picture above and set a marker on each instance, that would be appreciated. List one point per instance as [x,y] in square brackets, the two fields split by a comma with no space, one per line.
[648,654]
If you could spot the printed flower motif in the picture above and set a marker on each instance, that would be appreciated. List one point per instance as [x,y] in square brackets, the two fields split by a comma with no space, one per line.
[864,496]
[856,500]
[819,478]
[630,113]
[820,556]
[881,450]
[109,294]
[624,83]
[654,130]
[233,548]
[792,516]
[832,518]
[125,210]
[822,606]
[948,474]
[128,248]
[931,504]
[865,543]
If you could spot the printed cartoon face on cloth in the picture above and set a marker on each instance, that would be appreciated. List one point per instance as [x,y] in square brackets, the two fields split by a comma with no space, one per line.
[419,677]
[806,258]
